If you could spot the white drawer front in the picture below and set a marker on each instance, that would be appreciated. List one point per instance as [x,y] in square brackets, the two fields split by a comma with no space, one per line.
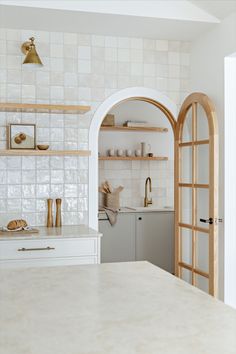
[45,248]
[47,262]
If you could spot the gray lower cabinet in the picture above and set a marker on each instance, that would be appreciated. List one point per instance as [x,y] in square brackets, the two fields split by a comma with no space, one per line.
[139,236]
[155,239]
[118,241]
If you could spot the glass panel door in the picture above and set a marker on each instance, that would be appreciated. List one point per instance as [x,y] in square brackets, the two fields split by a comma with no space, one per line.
[195,192]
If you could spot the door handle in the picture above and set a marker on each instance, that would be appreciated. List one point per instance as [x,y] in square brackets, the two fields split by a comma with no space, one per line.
[207,221]
[23,249]
[140,218]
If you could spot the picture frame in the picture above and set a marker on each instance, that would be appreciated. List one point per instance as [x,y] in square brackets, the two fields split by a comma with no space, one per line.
[22,136]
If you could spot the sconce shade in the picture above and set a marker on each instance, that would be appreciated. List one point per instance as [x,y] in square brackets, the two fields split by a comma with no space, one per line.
[32,58]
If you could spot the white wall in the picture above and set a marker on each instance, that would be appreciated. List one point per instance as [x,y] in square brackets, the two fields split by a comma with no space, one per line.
[132,174]
[78,68]
[207,75]
[230,177]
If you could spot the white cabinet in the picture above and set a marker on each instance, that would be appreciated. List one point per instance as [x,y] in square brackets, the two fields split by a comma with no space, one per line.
[155,239]
[139,236]
[44,250]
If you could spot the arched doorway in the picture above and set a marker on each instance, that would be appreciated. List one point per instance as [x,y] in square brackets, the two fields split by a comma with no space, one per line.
[200,203]
[154,97]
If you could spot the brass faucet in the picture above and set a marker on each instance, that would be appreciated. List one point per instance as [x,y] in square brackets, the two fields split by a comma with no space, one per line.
[146,200]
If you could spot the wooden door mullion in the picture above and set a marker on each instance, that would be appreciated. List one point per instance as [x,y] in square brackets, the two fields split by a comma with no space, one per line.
[178,211]
[213,213]
[194,209]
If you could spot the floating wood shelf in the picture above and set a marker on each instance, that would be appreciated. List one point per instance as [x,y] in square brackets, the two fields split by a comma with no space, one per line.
[130,158]
[144,129]
[44,152]
[43,108]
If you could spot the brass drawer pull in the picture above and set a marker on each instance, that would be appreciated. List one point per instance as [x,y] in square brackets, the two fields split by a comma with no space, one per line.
[23,249]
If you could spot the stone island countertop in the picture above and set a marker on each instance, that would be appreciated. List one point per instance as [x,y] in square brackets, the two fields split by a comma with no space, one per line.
[119,308]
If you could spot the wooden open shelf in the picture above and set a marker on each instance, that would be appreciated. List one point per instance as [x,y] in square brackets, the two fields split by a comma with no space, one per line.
[43,108]
[143,129]
[44,152]
[130,158]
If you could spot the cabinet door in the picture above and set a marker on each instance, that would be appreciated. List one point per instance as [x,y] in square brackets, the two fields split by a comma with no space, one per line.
[118,241]
[155,239]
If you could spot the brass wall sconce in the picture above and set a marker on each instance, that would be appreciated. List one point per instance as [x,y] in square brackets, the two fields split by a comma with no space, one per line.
[31,59]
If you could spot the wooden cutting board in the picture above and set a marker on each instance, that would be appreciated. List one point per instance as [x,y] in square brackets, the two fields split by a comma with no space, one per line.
[22,232]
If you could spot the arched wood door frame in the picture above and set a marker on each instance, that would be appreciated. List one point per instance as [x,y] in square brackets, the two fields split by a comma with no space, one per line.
[162,108]
[191,102]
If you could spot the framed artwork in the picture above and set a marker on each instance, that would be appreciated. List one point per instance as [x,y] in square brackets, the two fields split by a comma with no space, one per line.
[22,136]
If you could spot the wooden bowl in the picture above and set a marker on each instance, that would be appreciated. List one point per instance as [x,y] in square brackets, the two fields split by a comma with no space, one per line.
[42,147]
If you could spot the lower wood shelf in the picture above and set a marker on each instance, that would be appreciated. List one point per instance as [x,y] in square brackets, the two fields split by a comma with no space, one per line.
[124,129]
[129,158]
[44,152]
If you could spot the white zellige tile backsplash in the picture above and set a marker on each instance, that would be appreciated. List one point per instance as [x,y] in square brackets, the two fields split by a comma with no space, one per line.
[132,176]
[78,68]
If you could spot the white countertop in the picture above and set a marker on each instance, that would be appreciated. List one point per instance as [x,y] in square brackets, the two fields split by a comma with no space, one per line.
[55,232]
[139,209]
[119,308]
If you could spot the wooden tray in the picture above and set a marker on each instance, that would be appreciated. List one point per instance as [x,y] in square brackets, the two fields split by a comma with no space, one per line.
[22,232]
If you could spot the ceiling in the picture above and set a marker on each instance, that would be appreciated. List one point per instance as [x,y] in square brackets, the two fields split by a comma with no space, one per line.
[166,19]
[217,8]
